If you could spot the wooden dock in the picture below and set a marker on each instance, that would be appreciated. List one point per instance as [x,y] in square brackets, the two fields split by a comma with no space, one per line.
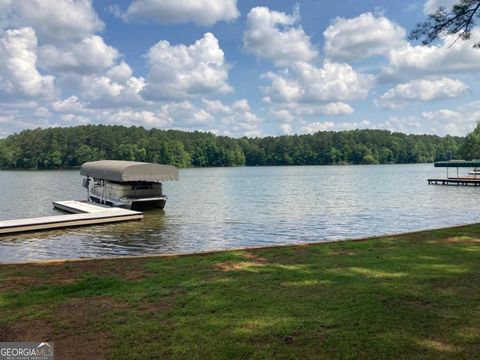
[83,214]
[465,181]
[80,207]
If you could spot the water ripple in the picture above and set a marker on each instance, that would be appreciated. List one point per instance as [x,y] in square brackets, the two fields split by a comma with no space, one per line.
[221,208]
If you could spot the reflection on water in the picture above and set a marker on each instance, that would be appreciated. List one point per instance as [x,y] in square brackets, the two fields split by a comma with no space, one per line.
[232,207]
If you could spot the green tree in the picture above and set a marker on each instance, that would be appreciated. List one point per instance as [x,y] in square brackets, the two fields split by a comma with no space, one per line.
[459,21]
[470,149]
[70,147]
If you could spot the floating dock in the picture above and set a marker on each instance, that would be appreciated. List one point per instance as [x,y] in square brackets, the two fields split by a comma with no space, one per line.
[80,207]
[83,214]
[455,181]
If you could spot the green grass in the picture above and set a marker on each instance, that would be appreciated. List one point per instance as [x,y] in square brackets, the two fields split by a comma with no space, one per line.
[415,296]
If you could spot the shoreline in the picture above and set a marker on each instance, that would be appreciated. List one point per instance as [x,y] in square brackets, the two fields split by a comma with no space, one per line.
[235,249]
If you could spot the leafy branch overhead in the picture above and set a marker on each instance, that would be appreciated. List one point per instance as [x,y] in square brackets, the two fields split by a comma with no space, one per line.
[458,21]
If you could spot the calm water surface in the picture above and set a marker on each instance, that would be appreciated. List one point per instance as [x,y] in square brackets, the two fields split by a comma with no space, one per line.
[218,208]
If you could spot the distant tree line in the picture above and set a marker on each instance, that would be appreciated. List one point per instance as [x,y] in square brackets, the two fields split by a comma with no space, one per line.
[55,148]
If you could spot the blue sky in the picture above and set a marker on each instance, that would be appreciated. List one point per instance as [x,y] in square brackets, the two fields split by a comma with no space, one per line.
[253,68]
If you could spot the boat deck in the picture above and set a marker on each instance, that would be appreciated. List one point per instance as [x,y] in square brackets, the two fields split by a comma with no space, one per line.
[83,214]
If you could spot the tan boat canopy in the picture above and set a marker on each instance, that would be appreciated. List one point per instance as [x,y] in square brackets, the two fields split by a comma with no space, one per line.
[123,171]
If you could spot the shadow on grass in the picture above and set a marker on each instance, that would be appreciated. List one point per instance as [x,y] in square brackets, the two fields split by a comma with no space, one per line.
[412,296]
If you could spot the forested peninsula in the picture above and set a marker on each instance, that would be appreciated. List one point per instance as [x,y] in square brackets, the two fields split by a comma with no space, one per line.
[57,148]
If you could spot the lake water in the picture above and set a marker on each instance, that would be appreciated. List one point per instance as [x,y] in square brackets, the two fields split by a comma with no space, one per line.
[221,208]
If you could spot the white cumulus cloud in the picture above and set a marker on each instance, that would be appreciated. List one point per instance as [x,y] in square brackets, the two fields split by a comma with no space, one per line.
[54,20]
[414,61]
[290,111]
[71,104]
[305,83]
[180,71]
[361,37]
[235,119]
[456,122]
[300,86]
[128,117]
[421,90]
[90,55]
[333,108]
[276,36]
[18,66]
[286,128]
[104,91]
[120,72]
[202,12]
[316,126]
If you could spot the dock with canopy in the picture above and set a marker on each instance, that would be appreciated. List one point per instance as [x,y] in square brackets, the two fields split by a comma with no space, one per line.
[458,180]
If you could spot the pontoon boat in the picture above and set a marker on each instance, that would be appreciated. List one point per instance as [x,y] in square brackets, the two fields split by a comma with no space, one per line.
[127,184]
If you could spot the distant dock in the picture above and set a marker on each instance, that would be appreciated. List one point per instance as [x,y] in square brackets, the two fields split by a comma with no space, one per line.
[82,214]
[455,181]
[458,180]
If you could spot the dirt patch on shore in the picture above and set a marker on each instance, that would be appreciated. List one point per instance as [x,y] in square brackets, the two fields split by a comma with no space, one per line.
[461,240]
[27,276]
[344,252]
[73,328]
[80,336]
[27,330]
[83,344]
[4,333]
[232,265]
[254,257]
[81,312]
[253,261]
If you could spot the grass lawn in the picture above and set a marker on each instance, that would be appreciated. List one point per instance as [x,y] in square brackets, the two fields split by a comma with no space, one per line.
[415,296]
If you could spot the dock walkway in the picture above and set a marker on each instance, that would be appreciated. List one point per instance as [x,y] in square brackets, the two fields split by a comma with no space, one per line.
[83,214]
[79,207]
[455,181]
